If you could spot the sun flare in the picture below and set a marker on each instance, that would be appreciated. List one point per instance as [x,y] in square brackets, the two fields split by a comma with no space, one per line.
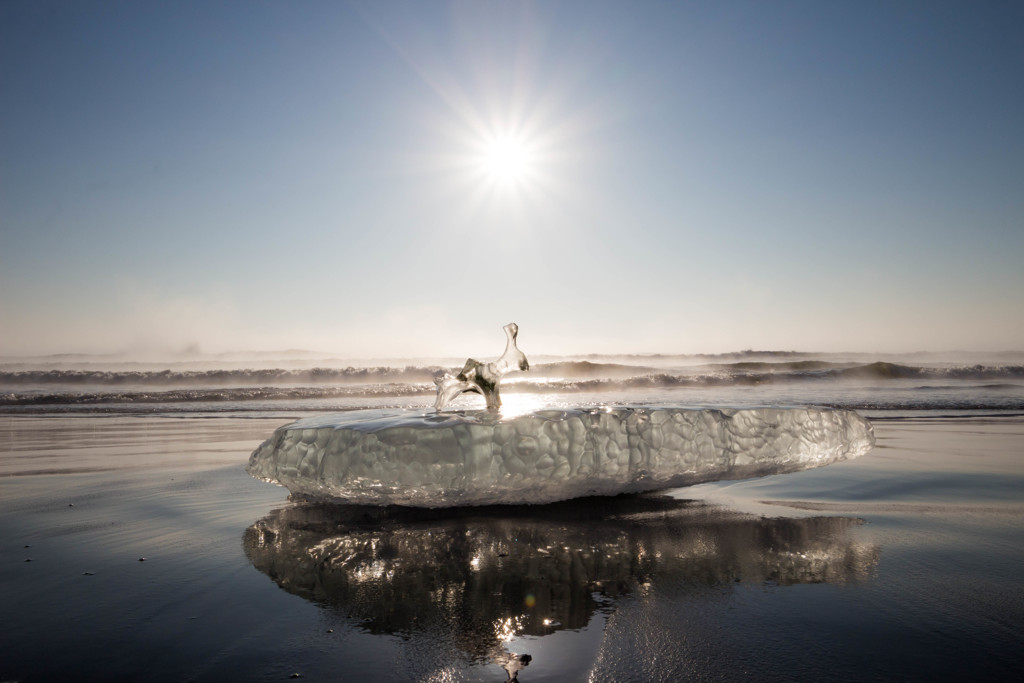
[506,159]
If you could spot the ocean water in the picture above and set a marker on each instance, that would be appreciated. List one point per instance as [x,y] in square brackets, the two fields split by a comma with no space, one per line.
[880,386]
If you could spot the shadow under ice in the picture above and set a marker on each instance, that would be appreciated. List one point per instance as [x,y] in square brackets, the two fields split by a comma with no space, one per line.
[475,578]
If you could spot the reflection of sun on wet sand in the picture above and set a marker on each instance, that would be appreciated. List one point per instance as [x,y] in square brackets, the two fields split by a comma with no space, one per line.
[492,574]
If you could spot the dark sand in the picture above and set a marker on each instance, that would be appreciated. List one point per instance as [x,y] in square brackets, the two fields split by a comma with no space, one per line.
[907,564]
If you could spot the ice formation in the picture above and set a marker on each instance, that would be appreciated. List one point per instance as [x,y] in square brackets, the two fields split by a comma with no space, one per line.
[396,457]
[483,378]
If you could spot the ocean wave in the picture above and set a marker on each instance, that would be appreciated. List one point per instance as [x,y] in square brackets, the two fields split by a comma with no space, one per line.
[240,395]
[334,403]
[586,368]
[883,370]
[652,384]
[998,386]
[801,366]
[200,378]
[580,372]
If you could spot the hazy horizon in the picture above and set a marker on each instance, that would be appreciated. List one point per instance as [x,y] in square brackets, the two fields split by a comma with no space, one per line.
[156,357]
[401,179]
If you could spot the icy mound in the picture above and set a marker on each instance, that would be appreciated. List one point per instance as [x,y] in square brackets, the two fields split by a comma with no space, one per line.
[395,457]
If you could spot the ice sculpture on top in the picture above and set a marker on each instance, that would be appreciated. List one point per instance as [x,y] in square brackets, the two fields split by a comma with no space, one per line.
[483,378]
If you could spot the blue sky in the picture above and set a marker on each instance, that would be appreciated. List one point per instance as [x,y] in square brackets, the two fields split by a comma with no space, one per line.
[691,177]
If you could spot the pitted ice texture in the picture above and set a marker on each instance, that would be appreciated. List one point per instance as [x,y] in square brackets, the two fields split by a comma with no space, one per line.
[395,457]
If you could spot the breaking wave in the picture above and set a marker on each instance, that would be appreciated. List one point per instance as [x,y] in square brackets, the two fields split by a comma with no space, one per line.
[195,378]
[753,376]
[209,395]
[567,372]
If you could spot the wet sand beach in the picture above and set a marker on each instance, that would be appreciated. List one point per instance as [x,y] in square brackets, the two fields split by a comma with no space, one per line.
[137,548]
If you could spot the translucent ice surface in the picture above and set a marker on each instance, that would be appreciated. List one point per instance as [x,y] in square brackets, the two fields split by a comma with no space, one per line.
[396,457]
[483,378]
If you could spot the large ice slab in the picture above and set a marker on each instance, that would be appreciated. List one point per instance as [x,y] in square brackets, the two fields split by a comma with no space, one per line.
[396,457]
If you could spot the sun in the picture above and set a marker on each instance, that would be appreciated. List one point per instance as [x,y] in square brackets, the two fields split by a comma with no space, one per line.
[506,159]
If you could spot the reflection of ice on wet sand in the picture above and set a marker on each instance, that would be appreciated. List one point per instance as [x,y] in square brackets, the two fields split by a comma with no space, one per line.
[483,577]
